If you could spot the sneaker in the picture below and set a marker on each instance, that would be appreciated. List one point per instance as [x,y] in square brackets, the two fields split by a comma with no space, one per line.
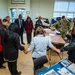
[3,67]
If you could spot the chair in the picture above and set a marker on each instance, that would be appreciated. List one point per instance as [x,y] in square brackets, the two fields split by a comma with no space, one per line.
[53,21]
[50,52]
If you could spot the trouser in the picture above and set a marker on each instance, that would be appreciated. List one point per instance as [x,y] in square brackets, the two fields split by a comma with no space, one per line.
[1,59]
[63,34]
[12,66]
[20,32]
[28,37]
[21,38]
[38,67]
[69,36]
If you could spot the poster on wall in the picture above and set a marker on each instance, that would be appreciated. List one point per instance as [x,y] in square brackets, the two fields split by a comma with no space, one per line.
[18,1]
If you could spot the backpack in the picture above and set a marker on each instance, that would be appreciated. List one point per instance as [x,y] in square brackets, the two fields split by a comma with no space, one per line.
[1,44]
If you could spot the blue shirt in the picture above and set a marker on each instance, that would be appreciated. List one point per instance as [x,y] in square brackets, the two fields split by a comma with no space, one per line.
[39,45]
[20,23]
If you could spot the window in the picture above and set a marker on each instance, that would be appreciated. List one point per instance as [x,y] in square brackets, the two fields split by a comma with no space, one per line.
[74,15]
[72,7]
[70,15]
[61,6]
[14,12]
[66,8]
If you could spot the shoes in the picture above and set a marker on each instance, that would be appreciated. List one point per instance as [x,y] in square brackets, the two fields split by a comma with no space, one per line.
[3,67]
[19,73]
[23,43]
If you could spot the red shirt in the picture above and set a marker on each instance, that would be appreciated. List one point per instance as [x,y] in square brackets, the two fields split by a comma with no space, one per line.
[28,26]
[0,43]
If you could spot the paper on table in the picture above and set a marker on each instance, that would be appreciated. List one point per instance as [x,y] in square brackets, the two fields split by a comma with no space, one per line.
[51,72]
[52,34]
[56,32]
[72,67]
[64,71]
[46,29]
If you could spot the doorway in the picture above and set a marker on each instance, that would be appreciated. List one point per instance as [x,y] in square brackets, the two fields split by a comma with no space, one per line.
[14,12]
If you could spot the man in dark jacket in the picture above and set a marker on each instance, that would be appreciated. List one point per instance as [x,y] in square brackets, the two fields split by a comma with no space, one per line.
[11,45]
[71,51]
[3,24]
[37,24]
[20,23]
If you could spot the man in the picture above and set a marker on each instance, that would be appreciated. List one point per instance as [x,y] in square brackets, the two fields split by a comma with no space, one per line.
[11,47]
[2,27]
[71,51]
[63,26]
[8,19]
[41,22]
[20,22]
[4,23]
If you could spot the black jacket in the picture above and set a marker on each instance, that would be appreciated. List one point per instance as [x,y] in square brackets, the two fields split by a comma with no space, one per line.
[38,23]
[71,51]
[20,30]
[11,47]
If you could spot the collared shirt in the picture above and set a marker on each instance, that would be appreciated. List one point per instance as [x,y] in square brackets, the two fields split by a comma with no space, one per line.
[39,45]
[20,23]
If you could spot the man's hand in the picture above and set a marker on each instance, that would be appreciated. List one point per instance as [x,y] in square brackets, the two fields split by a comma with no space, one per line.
[25,51]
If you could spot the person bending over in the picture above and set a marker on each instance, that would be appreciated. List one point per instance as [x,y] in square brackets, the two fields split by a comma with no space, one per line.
[39,45]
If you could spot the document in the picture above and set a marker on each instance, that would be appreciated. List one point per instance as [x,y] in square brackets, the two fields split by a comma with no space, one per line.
[51,72]
[66,62]
[64,71]
[72,67]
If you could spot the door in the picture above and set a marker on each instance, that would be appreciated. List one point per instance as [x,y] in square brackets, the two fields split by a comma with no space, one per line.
[14,12]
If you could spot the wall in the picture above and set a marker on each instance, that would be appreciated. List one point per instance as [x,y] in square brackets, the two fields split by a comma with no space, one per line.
[37,8]
[3,9]
[42,8]
[26,5]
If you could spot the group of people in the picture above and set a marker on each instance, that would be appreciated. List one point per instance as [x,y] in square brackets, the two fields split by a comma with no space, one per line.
[10,41]
[24,25]
[11,44]
[64,26]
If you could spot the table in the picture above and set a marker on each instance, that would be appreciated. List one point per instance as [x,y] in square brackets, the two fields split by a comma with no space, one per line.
[64,67]
[57,40]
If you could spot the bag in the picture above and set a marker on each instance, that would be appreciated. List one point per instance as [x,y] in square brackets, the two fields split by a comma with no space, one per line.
[0,44]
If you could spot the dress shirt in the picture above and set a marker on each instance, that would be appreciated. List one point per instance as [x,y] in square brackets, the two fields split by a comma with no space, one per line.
[45,24]
[39,45]
[20,23]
